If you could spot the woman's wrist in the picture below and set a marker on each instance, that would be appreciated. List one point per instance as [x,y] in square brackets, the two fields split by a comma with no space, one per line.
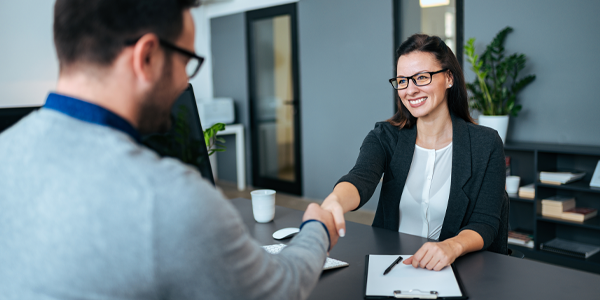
[332,198]
[457,247]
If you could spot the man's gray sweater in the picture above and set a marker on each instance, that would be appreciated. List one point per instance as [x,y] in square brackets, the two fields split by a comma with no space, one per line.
[87,213]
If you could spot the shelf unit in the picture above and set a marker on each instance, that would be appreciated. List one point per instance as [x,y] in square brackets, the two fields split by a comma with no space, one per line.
[527,160]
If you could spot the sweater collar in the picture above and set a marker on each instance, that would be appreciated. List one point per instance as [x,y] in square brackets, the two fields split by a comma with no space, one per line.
[89,112]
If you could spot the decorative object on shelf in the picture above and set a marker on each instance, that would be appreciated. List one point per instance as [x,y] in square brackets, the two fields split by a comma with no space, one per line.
[527,191]
[596,177]
[579,214]
[555,206]
[521,239]
[211,139]
[507,161]
[512,184]
[494,91]
[570,248]
[558,178]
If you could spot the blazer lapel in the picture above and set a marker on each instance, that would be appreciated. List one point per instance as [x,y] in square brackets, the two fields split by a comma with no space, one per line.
[461,172]
[399,167]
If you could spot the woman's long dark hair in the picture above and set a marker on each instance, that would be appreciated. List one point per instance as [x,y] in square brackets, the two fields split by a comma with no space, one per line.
[457,100]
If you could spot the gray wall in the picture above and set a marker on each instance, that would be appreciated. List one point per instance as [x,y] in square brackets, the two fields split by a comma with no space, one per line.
[230,79]
[346,55]
[561,42]
[28,64]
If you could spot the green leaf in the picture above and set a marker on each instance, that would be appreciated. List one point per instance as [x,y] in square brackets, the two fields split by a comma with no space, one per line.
[497,80]
[211,139]
[519,85]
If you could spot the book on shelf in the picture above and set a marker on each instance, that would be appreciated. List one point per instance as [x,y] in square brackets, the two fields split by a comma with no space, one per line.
[579,214]
[527,191]
[554,206]
[522,239]
[558,178]
[559,203]
[551,214]
[570,248]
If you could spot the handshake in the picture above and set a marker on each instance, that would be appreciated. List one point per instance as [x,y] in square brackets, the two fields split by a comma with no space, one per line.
[315,212]
[331,212]
[322,214]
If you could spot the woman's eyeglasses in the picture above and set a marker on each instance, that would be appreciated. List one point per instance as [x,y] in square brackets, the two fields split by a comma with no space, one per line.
[420,79]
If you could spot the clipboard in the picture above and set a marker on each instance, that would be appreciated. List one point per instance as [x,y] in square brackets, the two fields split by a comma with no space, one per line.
[395,286]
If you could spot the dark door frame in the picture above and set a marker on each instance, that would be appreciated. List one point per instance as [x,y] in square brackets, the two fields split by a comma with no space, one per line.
[258,181]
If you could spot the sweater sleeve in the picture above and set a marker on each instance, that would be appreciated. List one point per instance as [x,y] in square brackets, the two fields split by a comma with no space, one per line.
[204,251]
[486,216]
[370,165]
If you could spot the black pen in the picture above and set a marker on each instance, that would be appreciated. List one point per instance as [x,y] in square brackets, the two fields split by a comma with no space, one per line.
[398,260]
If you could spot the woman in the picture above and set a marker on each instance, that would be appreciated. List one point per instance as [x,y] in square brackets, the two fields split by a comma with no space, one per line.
[443,176]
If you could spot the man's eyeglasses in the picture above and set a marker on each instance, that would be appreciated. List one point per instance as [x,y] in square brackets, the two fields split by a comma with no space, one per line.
[193,65]
[420,79]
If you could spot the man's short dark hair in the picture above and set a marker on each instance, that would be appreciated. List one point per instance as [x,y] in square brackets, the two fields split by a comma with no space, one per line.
[95,31]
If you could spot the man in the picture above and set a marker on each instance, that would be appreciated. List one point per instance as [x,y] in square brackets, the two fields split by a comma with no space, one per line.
[86,212]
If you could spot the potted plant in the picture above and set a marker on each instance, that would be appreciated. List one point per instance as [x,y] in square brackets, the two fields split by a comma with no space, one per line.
[211,139]
[497,83]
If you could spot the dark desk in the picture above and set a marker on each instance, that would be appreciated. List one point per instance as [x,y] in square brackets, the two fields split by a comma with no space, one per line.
[485,275]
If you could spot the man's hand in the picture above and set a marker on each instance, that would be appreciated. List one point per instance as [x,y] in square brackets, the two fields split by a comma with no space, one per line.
[315,212]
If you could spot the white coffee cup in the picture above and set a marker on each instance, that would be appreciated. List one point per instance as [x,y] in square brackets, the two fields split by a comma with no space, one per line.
[263,205]
[512,184]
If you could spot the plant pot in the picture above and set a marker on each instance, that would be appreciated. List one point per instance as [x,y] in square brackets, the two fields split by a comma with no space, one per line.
[498,123]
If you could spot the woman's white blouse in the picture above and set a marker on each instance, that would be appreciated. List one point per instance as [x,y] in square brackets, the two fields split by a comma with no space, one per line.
[425,196]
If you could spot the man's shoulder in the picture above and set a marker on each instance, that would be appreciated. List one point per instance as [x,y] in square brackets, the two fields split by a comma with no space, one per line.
[83,145]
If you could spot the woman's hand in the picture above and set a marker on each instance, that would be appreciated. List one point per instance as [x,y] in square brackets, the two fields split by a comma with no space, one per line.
[344,198]
[436,256]
[332,204]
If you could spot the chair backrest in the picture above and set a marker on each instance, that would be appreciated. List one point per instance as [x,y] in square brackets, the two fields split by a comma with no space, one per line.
[185,139]
[12,115]
[515,253]
[500,243]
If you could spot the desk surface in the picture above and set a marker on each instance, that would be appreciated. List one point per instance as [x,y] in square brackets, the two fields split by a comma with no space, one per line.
[485,275]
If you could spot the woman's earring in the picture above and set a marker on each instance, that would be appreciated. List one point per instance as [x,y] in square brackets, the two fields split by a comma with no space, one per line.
[449,85]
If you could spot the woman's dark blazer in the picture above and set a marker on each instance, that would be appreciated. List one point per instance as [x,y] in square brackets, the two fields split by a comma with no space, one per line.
[477,198]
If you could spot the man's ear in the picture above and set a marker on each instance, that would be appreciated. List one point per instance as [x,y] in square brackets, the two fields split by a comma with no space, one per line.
[147,58]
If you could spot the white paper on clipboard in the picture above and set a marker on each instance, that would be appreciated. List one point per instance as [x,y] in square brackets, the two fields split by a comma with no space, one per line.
[406,278]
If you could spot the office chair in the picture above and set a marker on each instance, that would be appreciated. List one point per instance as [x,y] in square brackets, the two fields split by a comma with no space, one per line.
[515,253]
[10,116]
[511,252]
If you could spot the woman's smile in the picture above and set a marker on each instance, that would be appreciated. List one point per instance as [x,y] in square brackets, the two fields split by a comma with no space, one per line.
[417,102]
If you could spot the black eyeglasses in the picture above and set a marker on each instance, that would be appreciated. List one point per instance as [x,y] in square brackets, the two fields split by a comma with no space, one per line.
[193,65]
[420,79]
